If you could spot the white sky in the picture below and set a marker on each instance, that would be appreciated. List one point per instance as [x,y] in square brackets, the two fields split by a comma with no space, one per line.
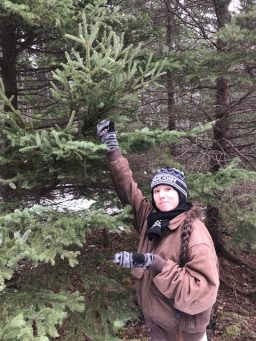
[234,6]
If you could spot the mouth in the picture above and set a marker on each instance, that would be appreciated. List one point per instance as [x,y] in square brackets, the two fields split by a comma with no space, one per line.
[163,204]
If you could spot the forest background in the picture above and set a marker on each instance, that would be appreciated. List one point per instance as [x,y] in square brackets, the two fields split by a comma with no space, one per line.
[178,79]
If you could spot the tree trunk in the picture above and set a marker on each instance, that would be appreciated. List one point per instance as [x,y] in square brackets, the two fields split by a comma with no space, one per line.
[221,126]
[220,129]
[9,54]
[169,81]
[213,223]
[169,78]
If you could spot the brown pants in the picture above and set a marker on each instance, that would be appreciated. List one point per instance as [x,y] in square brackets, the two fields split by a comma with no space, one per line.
[156,333]
[192,337]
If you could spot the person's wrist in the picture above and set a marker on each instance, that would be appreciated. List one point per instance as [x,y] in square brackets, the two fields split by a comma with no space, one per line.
[110,140]
[158,264]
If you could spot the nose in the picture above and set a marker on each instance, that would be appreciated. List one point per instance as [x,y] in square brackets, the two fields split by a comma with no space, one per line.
[162,193]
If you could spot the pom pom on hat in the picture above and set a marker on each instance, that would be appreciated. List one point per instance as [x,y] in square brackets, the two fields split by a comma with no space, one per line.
[172,177]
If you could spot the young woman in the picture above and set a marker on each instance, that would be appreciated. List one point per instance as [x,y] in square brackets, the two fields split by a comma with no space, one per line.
[175,267]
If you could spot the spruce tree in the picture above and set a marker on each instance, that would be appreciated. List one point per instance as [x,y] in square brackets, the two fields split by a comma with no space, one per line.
[100,75]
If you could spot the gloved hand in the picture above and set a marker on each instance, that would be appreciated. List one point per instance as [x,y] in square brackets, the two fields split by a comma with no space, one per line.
[133,259]
[106,132]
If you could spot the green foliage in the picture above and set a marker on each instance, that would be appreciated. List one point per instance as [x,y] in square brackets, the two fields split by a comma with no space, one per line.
[11,120]
[205,63]
[244,228]
[102,74]
[211,183]
[238,216]
[109,301]
[35,315]
[233,330]
[37,13]
[40,235]
[241,31]
[144,139]
[108,296]
[47,149]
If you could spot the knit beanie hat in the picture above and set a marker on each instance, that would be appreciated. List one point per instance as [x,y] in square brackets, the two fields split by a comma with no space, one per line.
[171,177]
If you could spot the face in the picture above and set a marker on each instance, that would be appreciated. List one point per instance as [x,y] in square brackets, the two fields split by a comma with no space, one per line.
[166,198]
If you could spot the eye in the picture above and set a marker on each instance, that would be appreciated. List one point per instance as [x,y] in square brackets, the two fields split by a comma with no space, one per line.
[156,190]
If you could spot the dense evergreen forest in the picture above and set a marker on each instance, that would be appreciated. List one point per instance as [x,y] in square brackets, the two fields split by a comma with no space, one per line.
[178,79]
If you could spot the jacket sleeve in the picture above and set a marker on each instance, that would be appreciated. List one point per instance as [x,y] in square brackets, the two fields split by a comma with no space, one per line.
[193,288]
[126,188]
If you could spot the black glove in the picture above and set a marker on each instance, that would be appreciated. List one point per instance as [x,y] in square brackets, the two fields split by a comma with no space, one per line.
[106,132]
[133,259]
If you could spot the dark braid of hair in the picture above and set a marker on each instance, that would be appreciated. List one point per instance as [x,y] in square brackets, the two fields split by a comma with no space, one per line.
[191,215]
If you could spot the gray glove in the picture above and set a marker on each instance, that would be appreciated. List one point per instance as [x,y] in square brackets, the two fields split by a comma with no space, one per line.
[106,132]
[133,259]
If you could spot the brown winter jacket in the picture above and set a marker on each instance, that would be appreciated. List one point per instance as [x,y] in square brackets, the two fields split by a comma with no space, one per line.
[169,295]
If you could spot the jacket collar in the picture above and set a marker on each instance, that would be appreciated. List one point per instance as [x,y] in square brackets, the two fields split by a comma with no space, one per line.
[193,213]
[174,223]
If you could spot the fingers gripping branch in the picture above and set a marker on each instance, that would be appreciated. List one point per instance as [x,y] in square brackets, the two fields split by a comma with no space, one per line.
[106,132]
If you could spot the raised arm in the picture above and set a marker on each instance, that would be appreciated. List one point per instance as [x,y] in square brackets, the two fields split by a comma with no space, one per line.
[121,174]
